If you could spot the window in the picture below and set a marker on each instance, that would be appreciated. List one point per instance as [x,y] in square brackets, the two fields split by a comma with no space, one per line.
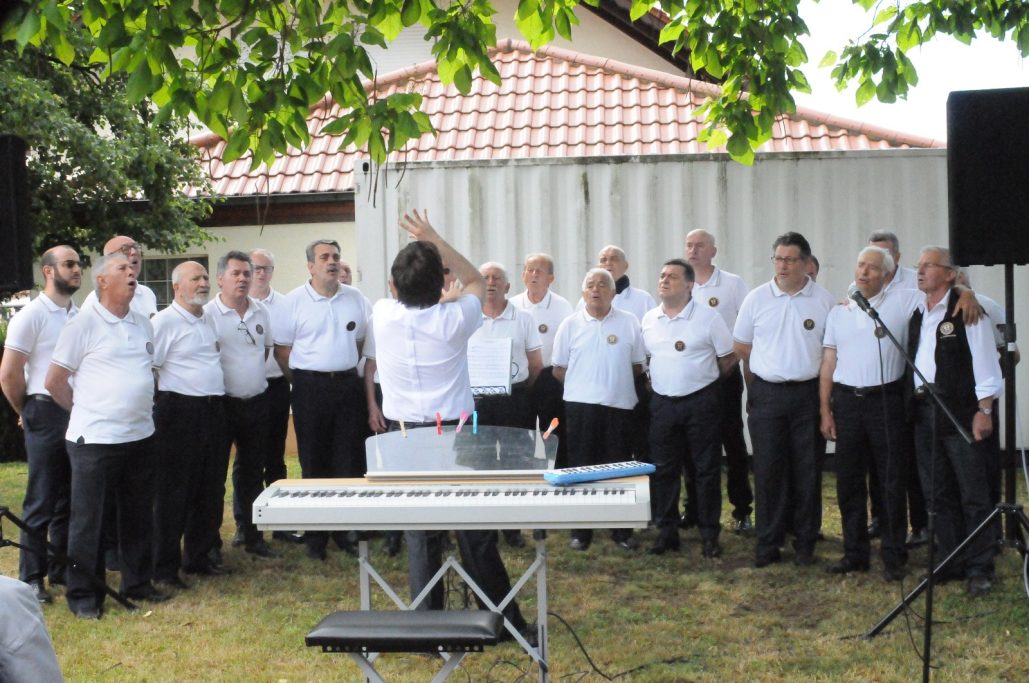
[157,274]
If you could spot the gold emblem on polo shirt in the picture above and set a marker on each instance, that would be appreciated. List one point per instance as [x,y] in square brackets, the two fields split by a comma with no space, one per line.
[880,332]
[612,339]
[712,302]
[351,326]
[946,329]
[680,345]
[809,324]
[259,328]
[543,328]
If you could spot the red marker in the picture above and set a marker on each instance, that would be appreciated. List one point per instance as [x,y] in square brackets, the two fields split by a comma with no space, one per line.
[439,424]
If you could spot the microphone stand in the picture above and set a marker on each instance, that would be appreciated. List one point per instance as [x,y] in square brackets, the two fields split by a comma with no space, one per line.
[928,582]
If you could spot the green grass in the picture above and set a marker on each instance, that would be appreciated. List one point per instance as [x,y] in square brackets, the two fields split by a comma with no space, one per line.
[677,617]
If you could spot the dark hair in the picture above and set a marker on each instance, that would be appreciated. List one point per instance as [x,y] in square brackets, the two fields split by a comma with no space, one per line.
[417,274]
[814,260]
[793,239]
[687,268]
[234,255]
[885,236]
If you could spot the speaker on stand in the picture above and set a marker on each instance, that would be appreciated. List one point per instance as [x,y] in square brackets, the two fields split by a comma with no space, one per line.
[15,234]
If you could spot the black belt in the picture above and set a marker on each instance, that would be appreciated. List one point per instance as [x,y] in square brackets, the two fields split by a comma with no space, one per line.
[895,386]
[45,398]
[789,382]
[334,374]
[210,398]
[277,380]
[686,396]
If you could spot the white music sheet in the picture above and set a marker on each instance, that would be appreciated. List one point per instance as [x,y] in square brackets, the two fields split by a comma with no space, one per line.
[489,366]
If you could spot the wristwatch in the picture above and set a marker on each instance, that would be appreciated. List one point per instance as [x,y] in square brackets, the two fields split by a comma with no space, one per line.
[986,411]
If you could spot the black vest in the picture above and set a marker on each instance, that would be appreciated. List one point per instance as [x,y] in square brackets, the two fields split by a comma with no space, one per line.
[955,378]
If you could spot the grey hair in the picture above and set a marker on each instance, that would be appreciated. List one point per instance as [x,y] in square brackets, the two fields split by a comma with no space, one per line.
[942,251]
[616,249]
[265,253]
[234,255]
[888,264]
[714,242]
[598,271]
[496,266]
[543,257]
[885,236]
[101,266]
[313,245]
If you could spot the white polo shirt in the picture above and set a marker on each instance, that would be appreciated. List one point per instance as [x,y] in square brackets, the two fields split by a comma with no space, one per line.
[547,315]
[243,345]
[598,356]
[684,350]
[516,325]
[785,331]
[422,358]
[324,331]
[852,333]
[186,353]
[33,332]
[111,361]
[630,300]
[275,302]
[724,292]
[906,278]
[144,301]
[985,364]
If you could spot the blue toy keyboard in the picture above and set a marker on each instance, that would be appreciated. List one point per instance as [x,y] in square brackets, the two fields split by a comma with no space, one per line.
[613,470]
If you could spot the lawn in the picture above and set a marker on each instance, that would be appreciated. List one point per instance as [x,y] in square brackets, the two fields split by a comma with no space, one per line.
[677,617]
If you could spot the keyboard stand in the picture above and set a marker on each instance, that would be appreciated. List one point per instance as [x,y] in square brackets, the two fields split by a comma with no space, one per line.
[538,568]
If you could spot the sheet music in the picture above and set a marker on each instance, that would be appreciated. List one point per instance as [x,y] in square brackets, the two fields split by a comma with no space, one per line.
[489,366]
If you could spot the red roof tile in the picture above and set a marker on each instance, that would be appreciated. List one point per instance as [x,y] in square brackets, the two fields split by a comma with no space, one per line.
[551,103]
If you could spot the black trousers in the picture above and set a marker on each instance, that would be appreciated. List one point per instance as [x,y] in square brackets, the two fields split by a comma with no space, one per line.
[955,478]
[189,456]
[872,436]
[686,429]
[912,485]
[246,423]
[784,424]
[515,410]
[278,428]
[48,491]
[328,418]
[547,404]
[124,473]
[597,435]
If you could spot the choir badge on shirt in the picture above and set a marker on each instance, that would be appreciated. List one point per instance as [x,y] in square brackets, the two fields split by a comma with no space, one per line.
[351,326]
[612,339]
[680,345]
[543,328]
[809,324]
[150,348]
[712,302]
[947,329]
[259,328]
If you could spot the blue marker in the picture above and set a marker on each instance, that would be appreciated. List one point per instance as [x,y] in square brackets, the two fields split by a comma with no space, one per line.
[475,422]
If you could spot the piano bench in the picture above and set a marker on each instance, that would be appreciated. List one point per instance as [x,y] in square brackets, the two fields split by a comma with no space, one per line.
[362,633]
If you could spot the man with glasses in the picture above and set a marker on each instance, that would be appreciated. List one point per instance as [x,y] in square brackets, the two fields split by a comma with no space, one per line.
[319,347]
[144,301]
[245,339]
[31,337]
[778,334]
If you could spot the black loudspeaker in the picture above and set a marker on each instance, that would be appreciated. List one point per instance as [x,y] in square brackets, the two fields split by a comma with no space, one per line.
[15,235]
[988,176]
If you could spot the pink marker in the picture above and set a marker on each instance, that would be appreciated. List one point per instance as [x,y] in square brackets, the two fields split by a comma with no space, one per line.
[464,418]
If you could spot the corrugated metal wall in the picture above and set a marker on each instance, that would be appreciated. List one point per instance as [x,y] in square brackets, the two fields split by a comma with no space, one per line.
[571,208]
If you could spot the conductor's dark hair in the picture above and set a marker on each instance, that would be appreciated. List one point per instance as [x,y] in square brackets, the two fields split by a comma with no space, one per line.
[793,239]
[687,269]
[417,274]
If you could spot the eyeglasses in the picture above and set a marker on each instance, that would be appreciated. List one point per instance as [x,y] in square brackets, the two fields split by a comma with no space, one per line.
[934,265]
[264,269]
[128,249]
[243,328]
[69,264]
[789,260]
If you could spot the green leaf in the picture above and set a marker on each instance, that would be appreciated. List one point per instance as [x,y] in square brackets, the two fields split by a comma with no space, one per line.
[739,149]
[865,93]
[28,29]
[564,29]
[885,15]
[411,12]
[138,85]
[527,8]
[828,60]
[63,50]
[463,80]
[639,8]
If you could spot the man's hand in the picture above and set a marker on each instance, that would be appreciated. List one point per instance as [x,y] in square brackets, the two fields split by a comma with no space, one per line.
[828,427]
[418,226]
[968,306]
[451,293]
[982,426]
[376,420]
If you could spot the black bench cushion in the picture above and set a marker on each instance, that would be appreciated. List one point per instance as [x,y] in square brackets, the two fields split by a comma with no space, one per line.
[407,631]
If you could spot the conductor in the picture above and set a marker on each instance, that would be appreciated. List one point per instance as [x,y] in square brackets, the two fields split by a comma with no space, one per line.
[421,353]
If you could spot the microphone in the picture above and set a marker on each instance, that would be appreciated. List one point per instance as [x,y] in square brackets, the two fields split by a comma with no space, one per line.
[862,302]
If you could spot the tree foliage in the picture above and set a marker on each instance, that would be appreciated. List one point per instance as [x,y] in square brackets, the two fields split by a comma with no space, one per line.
[250,70]
[91,154]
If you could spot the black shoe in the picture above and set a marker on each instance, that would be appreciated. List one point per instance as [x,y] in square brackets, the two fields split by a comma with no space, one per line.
[288,536]
[316,553]
[214,557]
[846,566]
[765,560]
[978,585]
[207,570]
[894,573]
[916,538]
[629,543]
[39,590]
[514,538]
[239,538]
[874,531]
[945,577]
[663,544]
[529,631]
[711,549]
[804,559]
[57,579]
[88,613]
[172,582]
[579,544]
[346,541]
[111,561]
[392,544]
[743,525]
[147,594]
[261,548]
[687,522]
